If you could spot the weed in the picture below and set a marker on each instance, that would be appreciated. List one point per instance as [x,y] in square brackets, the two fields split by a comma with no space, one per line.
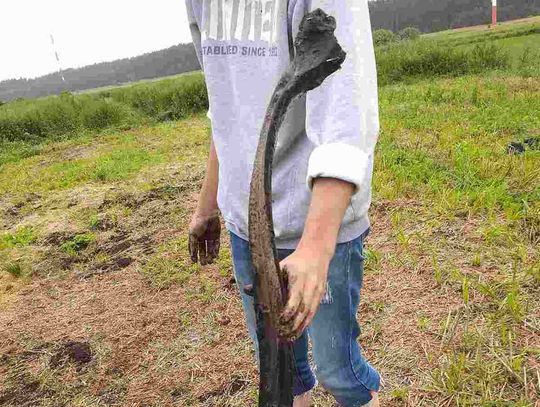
[423,323]
[383,37]
[400,394]
[372,259]
[14,269]
[22,237]
[77,243]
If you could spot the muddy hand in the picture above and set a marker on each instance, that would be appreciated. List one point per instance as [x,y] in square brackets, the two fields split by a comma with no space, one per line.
[307,277]
[204,234]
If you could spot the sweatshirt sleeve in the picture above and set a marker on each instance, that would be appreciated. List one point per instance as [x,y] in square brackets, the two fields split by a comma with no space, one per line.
[342,118]
[196,36]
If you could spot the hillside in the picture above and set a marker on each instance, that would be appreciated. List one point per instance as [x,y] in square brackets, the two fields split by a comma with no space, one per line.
[171,61]
[430,16]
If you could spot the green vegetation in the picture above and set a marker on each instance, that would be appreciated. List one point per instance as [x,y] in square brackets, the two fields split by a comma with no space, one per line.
[22,237]
[14,269]
[428,59]
[444,145]
[409,33]
[170,265]
[77,243]
[383,37]
[67,115]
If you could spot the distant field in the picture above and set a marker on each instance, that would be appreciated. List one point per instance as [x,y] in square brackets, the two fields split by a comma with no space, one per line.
[101,306]
[141,82]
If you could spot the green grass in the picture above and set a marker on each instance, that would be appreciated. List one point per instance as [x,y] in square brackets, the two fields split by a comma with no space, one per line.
[77,243]
[114,157]
[170,266]
[20,238]
[66,115]
[117,164]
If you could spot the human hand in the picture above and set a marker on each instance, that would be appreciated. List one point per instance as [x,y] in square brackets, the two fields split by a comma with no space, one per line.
[204,234]
[306,274]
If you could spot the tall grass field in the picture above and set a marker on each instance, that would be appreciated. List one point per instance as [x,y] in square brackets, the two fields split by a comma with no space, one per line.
[101,306]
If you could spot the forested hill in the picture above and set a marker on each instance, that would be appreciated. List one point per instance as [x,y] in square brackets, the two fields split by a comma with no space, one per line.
[177,59]
[437,15]
[426,15]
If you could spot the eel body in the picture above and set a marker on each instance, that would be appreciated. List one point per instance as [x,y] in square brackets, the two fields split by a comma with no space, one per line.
[317,55]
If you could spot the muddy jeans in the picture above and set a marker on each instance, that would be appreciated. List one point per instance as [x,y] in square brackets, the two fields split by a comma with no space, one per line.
[339,364]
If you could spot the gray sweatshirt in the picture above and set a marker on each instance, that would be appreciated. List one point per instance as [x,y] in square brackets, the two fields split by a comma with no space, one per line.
[242,46]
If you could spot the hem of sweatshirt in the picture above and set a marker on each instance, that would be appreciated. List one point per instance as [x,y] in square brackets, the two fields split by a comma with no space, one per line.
[346,233]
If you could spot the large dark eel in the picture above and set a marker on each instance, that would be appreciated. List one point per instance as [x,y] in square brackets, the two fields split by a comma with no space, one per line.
[318,55]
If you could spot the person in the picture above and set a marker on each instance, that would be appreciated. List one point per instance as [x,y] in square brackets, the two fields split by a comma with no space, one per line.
[322,172]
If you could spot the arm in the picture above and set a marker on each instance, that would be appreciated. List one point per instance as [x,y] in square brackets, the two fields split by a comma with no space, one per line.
[207,204]
[205,227]
[330,198]
[342,122]
[307,266]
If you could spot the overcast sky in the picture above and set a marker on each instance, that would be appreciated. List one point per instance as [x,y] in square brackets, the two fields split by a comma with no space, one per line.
[85,32]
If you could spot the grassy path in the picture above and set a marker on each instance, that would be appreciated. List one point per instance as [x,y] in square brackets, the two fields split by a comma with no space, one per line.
[99,305]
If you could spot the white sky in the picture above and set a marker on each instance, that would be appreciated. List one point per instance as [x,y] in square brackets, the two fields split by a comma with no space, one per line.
[85,32]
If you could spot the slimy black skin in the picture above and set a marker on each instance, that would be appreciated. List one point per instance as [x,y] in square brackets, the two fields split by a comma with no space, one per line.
[317,55]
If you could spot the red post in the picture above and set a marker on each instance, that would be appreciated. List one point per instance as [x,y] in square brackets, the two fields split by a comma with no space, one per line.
[494,12]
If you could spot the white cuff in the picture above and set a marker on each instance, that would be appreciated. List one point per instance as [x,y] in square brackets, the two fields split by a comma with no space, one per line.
[208,114]
[337,160]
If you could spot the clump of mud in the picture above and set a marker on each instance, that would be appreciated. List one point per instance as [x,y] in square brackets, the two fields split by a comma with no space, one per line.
[78,353]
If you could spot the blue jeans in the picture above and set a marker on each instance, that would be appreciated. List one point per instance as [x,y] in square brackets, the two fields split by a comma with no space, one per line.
[339,364]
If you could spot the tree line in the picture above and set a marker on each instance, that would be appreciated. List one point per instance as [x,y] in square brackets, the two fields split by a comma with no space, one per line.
[437,15]
[174,60]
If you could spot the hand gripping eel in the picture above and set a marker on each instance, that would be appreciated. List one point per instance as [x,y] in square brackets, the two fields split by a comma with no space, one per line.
[317,56]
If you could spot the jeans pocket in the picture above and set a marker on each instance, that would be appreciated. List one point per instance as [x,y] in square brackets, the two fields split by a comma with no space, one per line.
[359,246]
[357,261]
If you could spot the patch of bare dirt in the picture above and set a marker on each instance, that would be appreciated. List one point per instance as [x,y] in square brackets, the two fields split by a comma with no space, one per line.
[120,243]
[71,351]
